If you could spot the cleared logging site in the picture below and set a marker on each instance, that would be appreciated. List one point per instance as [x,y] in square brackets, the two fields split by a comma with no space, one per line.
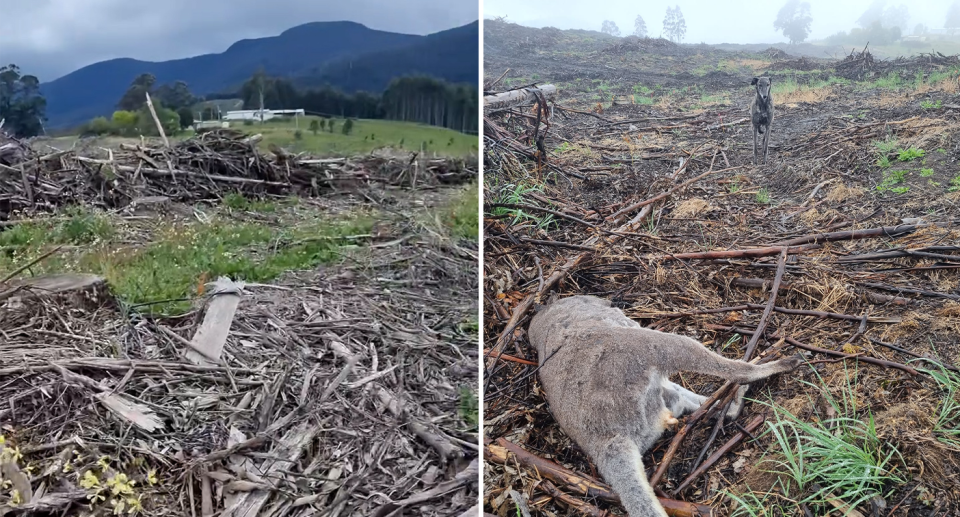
[624,169]
[203,329]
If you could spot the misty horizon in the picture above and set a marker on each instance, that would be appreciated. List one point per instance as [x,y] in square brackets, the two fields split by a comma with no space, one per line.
[710,22]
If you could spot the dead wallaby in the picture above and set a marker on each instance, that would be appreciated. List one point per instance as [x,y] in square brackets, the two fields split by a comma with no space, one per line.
[761,114]
[606,379]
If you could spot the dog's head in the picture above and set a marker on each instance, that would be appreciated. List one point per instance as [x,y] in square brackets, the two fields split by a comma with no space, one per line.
[763,87]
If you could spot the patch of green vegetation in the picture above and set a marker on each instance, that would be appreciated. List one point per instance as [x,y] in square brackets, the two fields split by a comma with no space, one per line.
[836,455]
[942,151]
[643,100]
[926,173]
[954,184]
[885,146]
[763,196]
[906,155]
[463,213]
[78,226]
[160,276]
[404,135]
[237,201]
[734,186]
[891,178]
[515,195]
[929,105]
[469,407]
[936,77]
[713,99]
[702,70]
[891,81]
[639,88]
[883,161]
[946,429]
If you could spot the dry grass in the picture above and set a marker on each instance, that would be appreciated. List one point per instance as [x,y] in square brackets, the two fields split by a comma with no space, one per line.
[755,64]
[840,193]
[805,94]
[692,207]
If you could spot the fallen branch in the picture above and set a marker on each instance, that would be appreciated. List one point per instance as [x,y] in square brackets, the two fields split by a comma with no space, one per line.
[582,507]
[759,283]
[771,302]
[444,447]
[725,448]
[811,348]
[921,292]
[883,231]
[464,477]
[725,254]
[513,98]
[782,310]
[504,451]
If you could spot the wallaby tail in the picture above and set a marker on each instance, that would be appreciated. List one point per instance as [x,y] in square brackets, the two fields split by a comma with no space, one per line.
[620,463]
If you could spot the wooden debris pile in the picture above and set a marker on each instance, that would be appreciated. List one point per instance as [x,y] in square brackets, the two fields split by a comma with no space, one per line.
[12,151]
[204,167]
[856,65]
[338,392]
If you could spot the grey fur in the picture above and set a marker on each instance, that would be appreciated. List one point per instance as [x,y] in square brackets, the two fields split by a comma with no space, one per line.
[607,383]
[761,114]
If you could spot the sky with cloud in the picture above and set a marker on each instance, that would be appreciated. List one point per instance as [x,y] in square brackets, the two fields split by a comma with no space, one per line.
[50,38]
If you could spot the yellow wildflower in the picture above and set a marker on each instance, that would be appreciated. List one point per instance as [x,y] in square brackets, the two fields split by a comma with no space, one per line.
[89,480]
[134,504]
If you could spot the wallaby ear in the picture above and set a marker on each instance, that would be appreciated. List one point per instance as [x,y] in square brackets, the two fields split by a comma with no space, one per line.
[754,81]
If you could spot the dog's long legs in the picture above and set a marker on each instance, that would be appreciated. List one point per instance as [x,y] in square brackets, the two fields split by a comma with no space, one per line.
[766,140]
[756,157]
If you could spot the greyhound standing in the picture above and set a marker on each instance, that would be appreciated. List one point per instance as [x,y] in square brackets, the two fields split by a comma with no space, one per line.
[761,114]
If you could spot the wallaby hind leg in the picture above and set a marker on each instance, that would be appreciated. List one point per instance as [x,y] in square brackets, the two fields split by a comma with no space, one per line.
[681,400]
[756,156]
[687,402]
[620,463]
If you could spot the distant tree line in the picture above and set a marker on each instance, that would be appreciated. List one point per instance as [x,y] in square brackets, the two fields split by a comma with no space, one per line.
[22,107]
[411,99]
[171,102]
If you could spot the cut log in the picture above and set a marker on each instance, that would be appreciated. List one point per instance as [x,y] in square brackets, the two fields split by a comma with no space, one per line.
[513,98]
[207,343]
[20,297]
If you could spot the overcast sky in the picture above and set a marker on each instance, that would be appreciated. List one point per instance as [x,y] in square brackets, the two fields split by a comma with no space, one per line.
[50,38]
[708,21]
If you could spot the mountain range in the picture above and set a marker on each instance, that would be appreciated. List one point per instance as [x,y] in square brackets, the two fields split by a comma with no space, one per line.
[345,55]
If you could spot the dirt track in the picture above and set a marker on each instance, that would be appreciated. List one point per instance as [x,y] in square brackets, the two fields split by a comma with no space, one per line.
[844,155]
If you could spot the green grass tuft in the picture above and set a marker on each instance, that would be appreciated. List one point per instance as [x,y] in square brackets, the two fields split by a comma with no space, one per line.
[763,196]
[906,155]
[168,270]
[837,455]
[463,213]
